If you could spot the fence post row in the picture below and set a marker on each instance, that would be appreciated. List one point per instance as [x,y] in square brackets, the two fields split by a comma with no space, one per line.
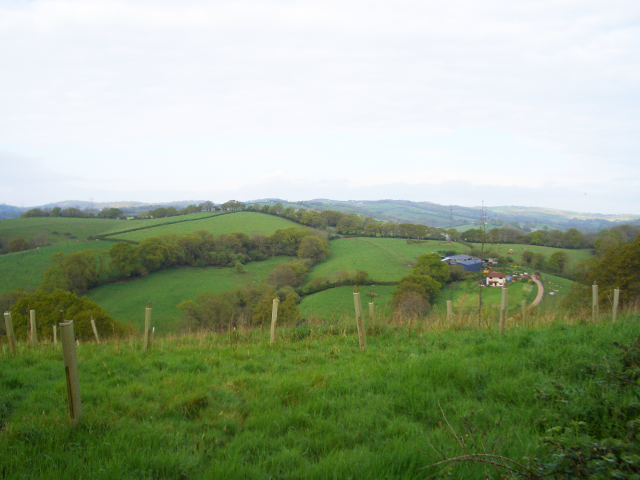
[274,319]
[95,330]
[71,371]
[32,322]
[594,291]
[10,335]
[358,308]
[503,308]
[147,326]
[616,302]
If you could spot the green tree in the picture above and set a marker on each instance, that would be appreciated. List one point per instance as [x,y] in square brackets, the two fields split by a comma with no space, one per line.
[313,248]
[124,260]
[423,285]
[432,265]
[76,272]
[17,244]
[558,261]
[48,306]
[287,274]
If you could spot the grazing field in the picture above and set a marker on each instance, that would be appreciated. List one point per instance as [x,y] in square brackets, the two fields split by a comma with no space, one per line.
[575,255]
[312,406]
[384,259]
[47,230]
[337,303]
[464,295]
[243,222]
[26,269]
[126,301]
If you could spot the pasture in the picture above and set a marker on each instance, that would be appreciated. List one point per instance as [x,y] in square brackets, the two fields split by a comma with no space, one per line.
[384,259]
[26,269]
[312,406]
[126,301]
[337,303]
[243,222]
[47,230]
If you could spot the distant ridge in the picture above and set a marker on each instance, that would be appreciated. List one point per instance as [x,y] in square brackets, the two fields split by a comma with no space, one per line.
[401,211]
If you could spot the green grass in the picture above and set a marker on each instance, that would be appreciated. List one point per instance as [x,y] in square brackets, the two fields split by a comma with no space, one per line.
[313,406]
[384,259]
[26,269]
[464,295]
[503,249]
[48,230]
[337,303]
[244,222]
[126,301]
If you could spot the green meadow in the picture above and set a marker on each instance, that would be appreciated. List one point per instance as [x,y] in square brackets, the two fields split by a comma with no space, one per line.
[26,269]
[312,406]
[243,222]
[575,255]
[384,259]
[48,230]
[126,301]
[337,303]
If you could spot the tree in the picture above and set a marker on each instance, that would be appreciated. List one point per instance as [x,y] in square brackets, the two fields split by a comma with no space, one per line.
[423,285]
[558,261]
[76,272]
[34,212]
[432,265]
[80,309]
[287,274]
[124,259]
[111,213]
[17,244]
[313,248]
[527,258]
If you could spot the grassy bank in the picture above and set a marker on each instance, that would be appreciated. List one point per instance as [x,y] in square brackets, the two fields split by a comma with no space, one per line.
[313,406]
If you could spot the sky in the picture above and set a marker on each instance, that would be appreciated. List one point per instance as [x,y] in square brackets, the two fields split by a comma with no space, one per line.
[458,102]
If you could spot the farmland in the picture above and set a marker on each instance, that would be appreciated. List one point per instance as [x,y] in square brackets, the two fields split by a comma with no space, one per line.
[243,222]
[312,406]
[384,259]
[167,288]
[26,269]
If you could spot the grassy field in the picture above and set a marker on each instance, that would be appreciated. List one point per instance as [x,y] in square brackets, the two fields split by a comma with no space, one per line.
[313,406]
[384,259]
[47,230]
[244,222]
[337,303]
[503,249]
[26,269]
[126,301]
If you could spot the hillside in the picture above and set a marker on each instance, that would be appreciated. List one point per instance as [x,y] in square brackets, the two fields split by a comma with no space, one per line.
[313,406]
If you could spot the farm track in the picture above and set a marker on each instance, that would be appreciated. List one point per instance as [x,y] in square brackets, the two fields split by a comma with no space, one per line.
[540,292]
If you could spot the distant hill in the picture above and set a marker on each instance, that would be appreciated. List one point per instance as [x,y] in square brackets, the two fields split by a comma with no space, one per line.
[446,216]
[402,211]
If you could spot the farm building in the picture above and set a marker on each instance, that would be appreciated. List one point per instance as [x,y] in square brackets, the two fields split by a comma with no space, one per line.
[496,279]
[468,262]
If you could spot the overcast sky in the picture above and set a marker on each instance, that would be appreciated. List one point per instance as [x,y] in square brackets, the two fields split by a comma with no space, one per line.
[454,102]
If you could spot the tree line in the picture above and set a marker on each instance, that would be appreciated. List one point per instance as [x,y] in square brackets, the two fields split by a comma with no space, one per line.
[80,271]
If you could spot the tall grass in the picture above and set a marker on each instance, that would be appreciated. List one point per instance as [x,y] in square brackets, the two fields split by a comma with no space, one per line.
[312,406]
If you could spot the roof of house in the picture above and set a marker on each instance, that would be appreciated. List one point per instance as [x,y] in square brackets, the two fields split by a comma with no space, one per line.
[496,275]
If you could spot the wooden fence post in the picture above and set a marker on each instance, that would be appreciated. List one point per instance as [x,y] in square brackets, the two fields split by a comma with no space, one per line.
[274,319]
[372,314]
[147,326]
[95,330]
[448,311]
[616,302]
[10,335]
[594,313]
[55,335]
[358,307]
[32,322]
[71,371]
[503,308]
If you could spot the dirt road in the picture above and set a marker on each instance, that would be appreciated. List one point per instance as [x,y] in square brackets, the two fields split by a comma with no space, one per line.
[540,292]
